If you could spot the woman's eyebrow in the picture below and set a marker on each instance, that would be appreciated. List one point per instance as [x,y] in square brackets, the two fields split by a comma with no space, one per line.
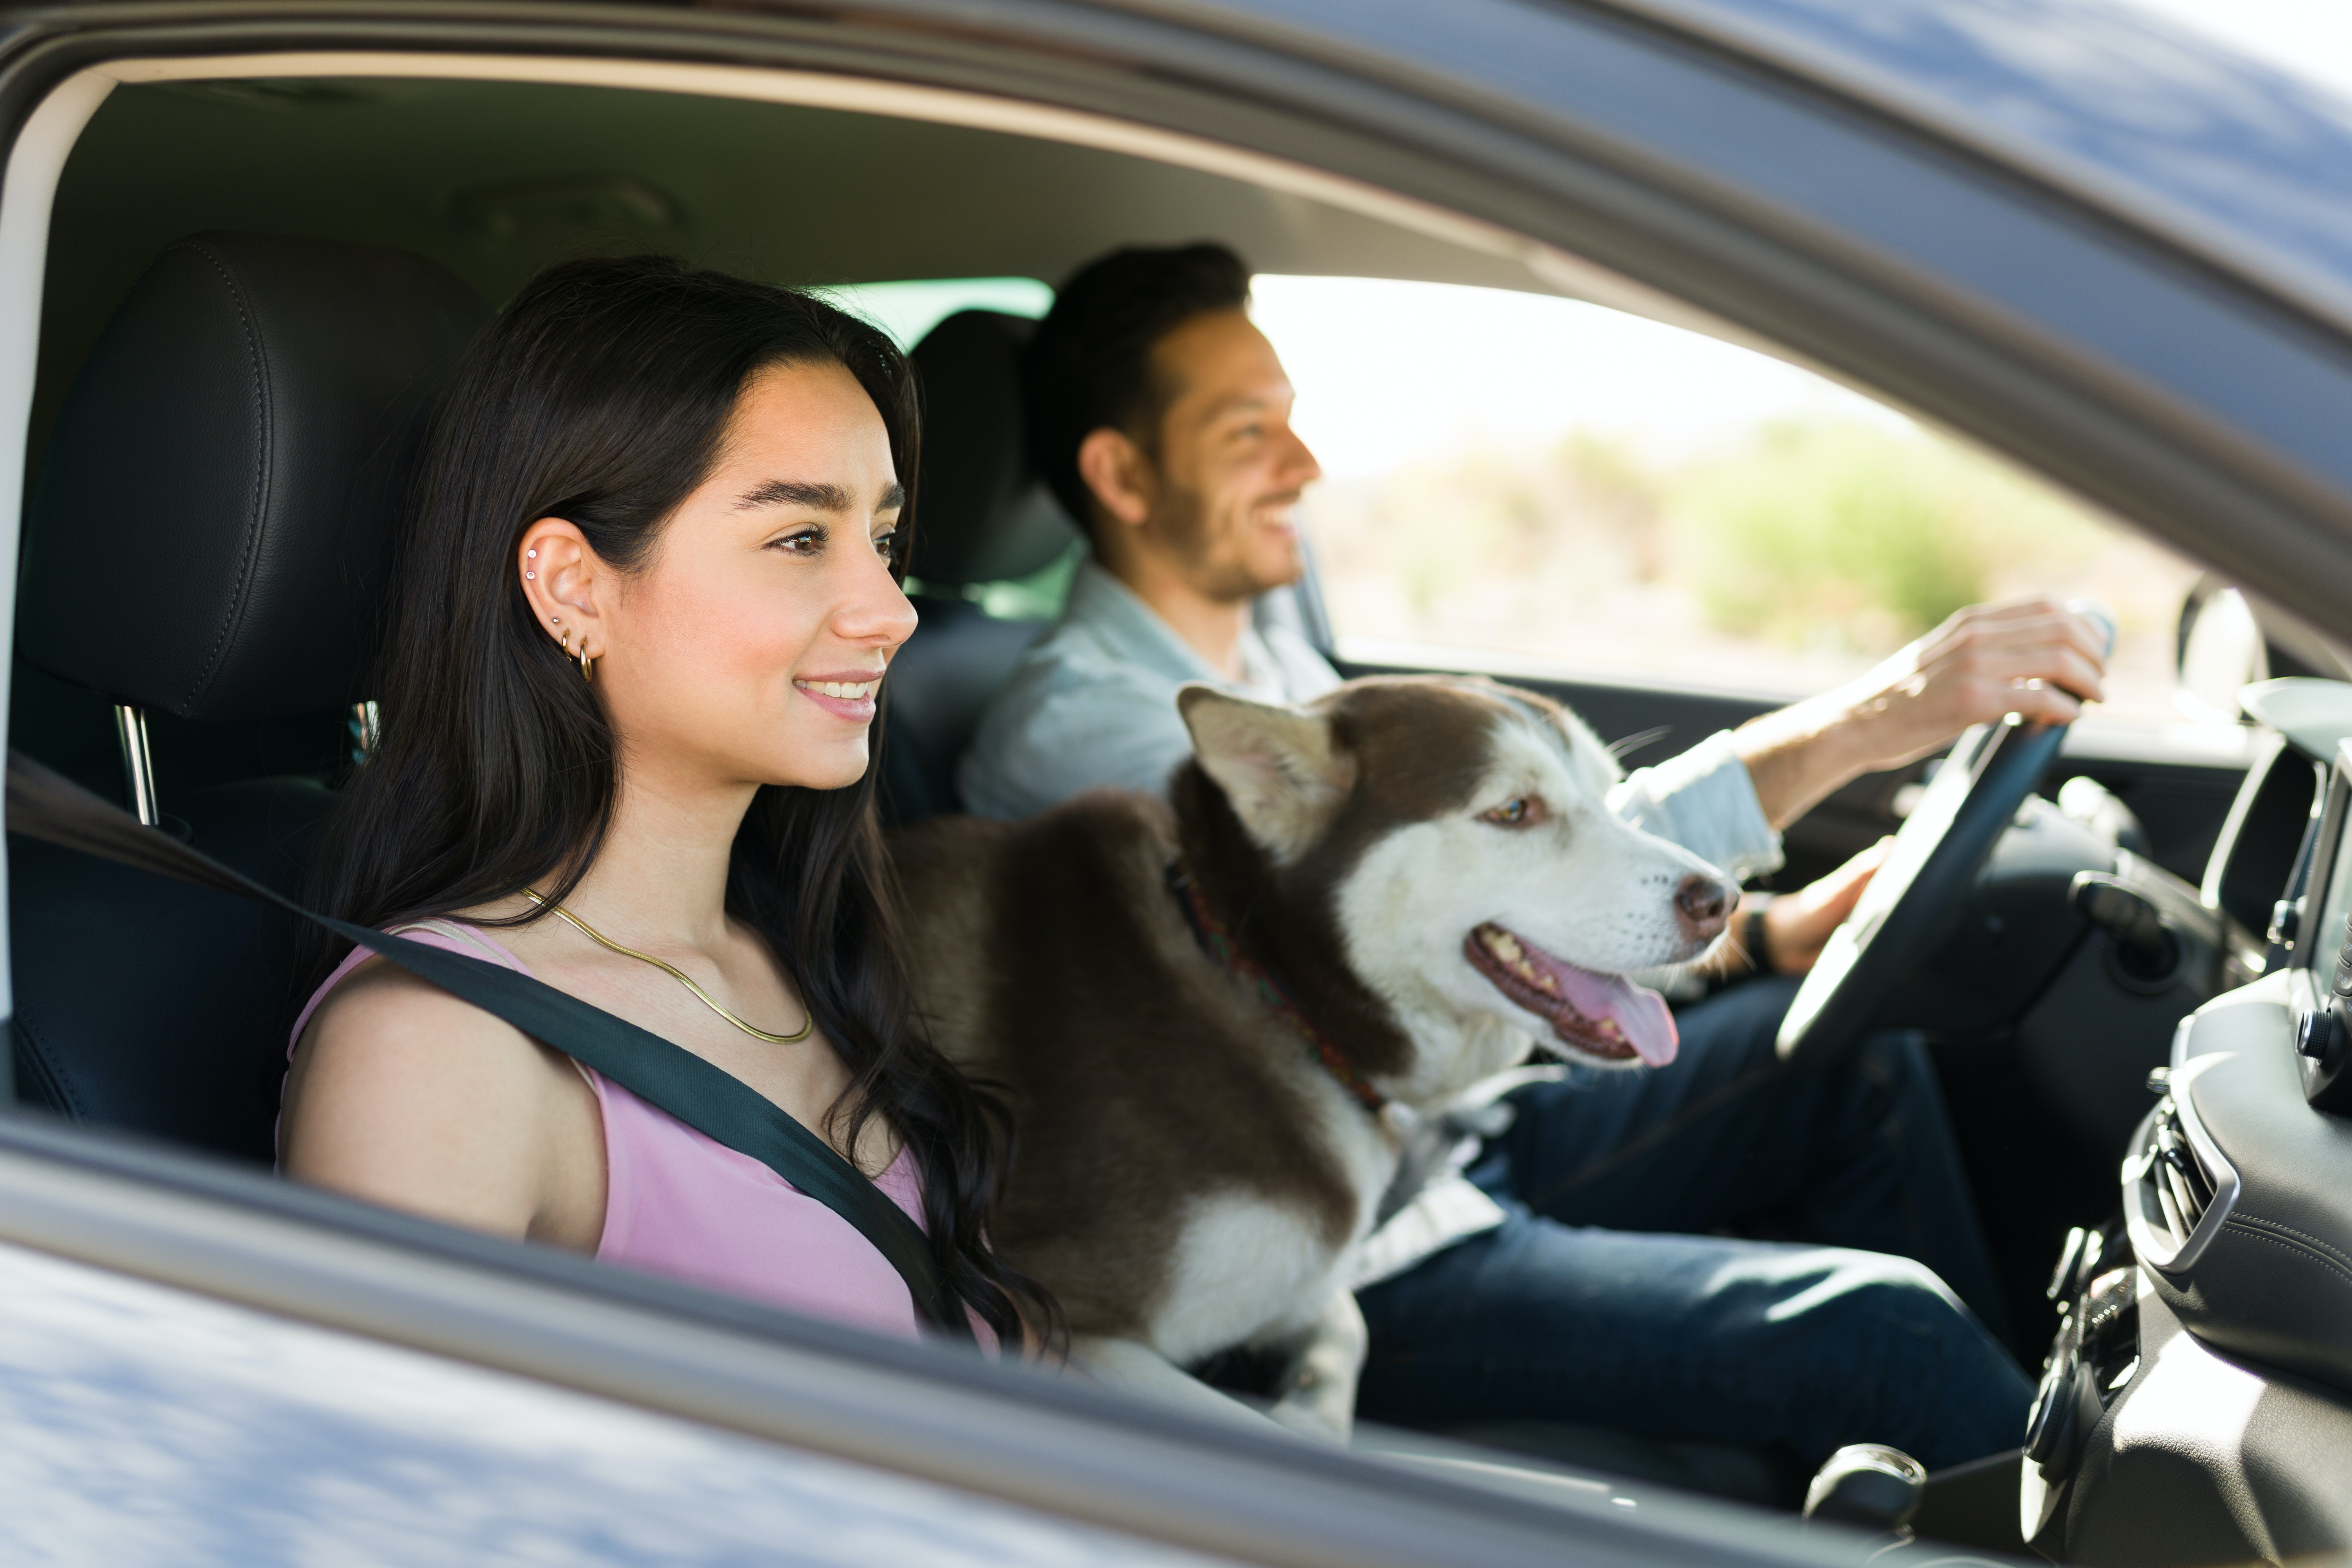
[816,497]
[797,492]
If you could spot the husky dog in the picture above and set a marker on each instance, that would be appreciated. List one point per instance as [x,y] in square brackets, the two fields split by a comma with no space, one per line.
[1219,1013]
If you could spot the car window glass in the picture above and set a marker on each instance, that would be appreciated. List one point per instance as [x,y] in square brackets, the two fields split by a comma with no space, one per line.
[1039,597]
[1544,478]
[907,309]
[910,308]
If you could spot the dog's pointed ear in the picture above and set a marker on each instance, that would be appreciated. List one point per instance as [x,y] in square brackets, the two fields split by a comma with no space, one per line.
[1279,767]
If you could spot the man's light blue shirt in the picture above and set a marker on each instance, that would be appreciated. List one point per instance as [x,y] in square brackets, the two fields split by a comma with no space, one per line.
[1094,703]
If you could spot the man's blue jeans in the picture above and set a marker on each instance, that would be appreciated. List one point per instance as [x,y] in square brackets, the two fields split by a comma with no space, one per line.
[1610,1298]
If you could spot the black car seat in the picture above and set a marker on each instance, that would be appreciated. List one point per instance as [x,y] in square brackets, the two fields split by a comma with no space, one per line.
[981,516]
[208,537]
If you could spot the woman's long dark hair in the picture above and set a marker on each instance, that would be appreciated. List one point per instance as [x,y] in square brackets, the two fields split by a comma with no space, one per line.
[602,394]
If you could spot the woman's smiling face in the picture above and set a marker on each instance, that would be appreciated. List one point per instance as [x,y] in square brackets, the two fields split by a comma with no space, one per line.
[751,647]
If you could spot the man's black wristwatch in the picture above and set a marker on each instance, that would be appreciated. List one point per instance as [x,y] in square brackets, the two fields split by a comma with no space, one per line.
[1752,937]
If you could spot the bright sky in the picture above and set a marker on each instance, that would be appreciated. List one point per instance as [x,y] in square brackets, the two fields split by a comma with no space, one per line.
[2310,37]
[1454,366]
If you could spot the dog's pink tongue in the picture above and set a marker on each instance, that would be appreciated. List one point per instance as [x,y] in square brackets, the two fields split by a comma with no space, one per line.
[1640,1012]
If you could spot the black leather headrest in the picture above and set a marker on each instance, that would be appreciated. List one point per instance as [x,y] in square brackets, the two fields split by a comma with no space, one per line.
[982,515]
[213,514]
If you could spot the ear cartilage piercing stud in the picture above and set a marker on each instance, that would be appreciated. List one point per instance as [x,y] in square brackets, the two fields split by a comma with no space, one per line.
[532,574]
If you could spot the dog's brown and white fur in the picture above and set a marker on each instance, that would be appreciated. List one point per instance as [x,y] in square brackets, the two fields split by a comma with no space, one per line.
[1189,1176]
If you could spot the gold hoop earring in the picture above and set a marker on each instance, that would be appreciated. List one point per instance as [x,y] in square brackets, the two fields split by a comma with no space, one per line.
[587,665]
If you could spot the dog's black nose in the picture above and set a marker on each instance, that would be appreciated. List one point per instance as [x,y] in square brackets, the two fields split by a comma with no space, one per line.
[1702,905]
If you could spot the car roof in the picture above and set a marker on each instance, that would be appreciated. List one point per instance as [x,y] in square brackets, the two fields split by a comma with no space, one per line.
[2227,156]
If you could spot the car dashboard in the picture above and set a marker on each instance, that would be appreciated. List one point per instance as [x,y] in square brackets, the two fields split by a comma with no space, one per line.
[2196,1405]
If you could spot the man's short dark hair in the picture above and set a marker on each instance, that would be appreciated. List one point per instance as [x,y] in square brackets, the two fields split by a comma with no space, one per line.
[1089,364]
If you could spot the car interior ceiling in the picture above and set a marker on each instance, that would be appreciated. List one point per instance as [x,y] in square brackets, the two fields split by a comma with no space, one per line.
[496,180]
[469,188]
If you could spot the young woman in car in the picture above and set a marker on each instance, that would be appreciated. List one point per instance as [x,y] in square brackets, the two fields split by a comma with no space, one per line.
[630,677]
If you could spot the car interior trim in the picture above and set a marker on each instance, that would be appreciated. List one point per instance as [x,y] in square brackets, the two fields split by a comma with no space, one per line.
[2093,737]
[1546,264]
[2151,1240]
[2267,746]
[2178,1055]
[1398,655]
[138,764]
[36,159]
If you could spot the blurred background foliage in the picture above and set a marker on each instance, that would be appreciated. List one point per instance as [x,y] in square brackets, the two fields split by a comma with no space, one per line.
[1861,534]
[1786,560]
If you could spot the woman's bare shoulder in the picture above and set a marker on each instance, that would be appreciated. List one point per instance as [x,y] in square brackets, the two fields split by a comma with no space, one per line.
[403,1094]
[382,1017]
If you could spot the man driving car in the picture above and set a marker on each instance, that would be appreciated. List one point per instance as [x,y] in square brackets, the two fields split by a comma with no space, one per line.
[1586,1270]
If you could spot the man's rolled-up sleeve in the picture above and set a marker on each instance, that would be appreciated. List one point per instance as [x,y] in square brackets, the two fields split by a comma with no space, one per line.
[1704,801]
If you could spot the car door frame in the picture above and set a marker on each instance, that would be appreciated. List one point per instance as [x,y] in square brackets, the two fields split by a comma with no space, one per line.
[1589,161]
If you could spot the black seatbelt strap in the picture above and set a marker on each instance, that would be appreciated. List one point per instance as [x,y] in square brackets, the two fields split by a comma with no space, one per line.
[45,804]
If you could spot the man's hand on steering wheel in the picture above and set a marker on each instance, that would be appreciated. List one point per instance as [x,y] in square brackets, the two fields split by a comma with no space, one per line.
[2033,658]
[2029,657]
[1797,926]
[2021,673]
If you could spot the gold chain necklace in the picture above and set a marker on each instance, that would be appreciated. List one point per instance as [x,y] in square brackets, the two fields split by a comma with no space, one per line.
[681,976]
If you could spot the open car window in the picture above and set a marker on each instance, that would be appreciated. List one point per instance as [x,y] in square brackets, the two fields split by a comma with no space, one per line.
[1601,496]
[910,308]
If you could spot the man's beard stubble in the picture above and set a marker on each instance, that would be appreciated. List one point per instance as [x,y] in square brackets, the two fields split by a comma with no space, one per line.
[1182,519]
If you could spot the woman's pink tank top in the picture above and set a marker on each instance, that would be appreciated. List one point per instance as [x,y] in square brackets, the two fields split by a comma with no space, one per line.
[676,1203]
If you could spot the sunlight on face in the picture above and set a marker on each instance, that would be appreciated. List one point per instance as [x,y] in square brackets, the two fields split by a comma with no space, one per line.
[1232,466]
[751,648]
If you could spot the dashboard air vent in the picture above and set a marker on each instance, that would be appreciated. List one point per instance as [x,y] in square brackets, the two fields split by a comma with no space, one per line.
[2183,1190]
[2179,1188]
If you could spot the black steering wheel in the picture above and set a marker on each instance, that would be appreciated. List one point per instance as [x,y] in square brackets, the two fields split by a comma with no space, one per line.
[1915,898]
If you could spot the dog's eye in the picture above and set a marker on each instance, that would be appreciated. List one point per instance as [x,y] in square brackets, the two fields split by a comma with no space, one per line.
[1519,811]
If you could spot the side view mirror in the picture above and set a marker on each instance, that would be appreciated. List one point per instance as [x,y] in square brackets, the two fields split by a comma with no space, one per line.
[2220,652]
[2229,638]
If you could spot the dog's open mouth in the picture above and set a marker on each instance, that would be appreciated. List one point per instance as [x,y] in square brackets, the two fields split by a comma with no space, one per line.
[1604,1015]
